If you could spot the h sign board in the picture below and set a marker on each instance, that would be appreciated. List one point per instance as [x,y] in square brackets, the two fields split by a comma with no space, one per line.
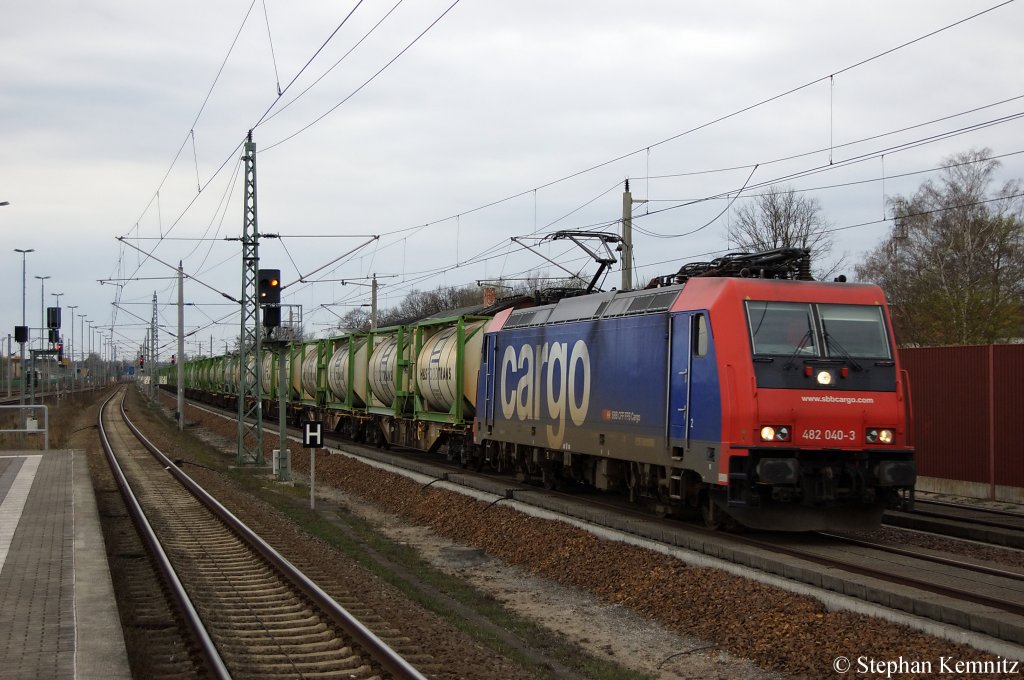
[313,434]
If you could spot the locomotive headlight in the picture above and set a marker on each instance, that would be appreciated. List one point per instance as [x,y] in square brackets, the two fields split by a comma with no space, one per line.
[878,436]
[775,433]
[824,378]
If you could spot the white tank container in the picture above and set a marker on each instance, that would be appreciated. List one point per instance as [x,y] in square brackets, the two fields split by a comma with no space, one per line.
[437,367]
[309,372]
[338,371]
[383,369]
[268,371]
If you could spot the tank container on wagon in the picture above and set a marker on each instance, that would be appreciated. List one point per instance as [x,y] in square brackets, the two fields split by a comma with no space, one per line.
[200,374]
[203,374]
[231,374]
[447,365]
[215,374]
[306,380]
[268,375]
[345,374]
[388,373]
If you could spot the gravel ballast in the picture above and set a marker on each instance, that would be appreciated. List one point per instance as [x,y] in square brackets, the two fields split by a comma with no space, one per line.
[780,631]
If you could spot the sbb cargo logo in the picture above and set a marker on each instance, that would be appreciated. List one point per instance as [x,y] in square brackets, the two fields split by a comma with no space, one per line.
[546,382]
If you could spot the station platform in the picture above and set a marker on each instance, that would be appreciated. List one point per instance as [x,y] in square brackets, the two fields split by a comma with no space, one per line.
[58,616]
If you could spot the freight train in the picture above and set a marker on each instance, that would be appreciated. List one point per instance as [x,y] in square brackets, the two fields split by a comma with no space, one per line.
[739,389]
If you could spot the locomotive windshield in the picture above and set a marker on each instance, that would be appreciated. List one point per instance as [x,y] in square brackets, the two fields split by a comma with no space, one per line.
[797,329]
[782,328]
[854,330]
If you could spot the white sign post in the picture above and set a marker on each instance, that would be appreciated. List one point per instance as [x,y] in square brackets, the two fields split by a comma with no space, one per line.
[312,439]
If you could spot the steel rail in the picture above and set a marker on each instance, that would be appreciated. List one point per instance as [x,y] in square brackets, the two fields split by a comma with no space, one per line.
[890,577]
[937,559]
[191,617]
[972,521]
[389,660]
[999,512]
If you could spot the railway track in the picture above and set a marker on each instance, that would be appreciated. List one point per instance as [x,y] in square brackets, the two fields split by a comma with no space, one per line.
[970,522]
[958,579]
[251,612]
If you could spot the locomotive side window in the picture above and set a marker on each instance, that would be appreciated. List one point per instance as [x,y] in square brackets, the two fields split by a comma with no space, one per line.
[785,328]
[855,330]
[699,334]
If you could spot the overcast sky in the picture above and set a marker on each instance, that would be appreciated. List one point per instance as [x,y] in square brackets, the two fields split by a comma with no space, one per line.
[551,105]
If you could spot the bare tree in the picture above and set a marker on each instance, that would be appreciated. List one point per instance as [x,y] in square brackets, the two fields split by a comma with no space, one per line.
[954,269]
[781,218]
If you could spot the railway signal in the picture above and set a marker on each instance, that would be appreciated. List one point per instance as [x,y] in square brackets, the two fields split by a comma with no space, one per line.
[142,361]
[269,294]
[270,286]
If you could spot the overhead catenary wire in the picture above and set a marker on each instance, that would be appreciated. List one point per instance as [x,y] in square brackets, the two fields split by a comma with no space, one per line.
[420,227]
[863,224]
[365,82]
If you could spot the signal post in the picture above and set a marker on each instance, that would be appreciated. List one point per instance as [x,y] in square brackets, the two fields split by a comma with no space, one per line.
[269,298]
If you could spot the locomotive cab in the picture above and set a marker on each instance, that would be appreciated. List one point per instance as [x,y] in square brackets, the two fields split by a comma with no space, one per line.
[821,442]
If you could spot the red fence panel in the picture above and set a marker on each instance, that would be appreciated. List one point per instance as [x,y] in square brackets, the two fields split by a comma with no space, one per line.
[1008,414]
[968,412]
[950,395]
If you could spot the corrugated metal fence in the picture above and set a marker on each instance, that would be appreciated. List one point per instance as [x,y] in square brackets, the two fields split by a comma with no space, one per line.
[968,407]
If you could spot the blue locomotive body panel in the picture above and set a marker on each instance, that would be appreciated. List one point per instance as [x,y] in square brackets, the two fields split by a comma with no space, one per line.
[598,386]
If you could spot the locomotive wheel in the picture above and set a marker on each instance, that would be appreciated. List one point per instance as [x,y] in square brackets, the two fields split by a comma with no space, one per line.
[713,516]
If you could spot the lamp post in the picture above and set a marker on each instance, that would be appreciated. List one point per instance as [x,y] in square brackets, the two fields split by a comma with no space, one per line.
[71,348]
[21,394]
[89,321]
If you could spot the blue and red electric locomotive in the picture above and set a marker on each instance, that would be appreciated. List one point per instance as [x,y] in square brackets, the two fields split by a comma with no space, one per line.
[737,388]
[773,402]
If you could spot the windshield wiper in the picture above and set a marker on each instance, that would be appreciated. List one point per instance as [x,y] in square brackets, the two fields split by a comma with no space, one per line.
[831,342]
[799,348]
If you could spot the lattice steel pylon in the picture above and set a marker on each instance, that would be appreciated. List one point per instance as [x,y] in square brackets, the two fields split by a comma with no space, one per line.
[250,397]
